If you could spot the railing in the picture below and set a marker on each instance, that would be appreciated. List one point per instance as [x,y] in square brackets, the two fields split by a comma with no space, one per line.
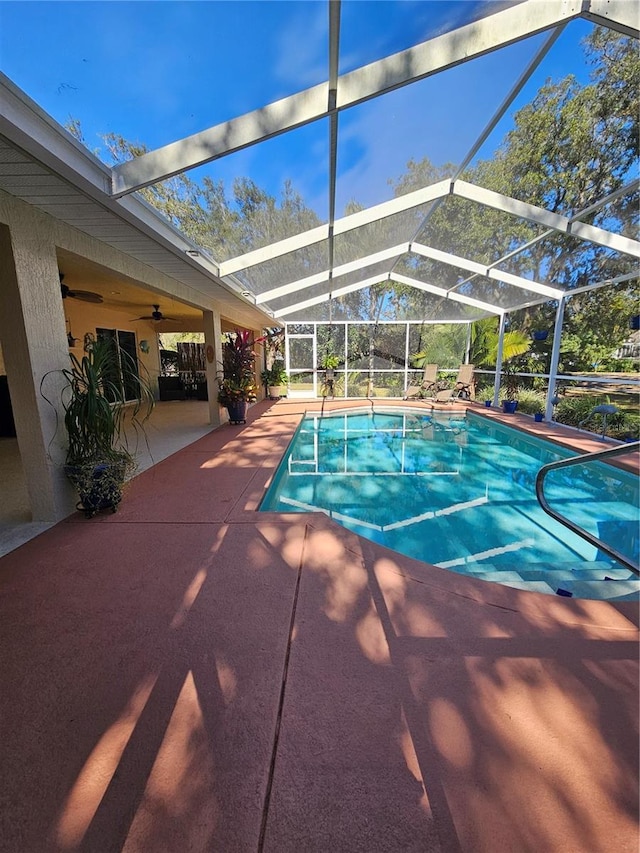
[580,531]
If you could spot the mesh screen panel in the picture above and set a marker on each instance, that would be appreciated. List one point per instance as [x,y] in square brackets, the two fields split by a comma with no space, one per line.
[286,268]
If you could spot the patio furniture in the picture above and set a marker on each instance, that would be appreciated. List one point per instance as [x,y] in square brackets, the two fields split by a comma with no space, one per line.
[171,388]
[428,384]
[464,387]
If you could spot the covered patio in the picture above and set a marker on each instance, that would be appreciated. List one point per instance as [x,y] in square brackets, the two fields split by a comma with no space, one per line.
[187,674]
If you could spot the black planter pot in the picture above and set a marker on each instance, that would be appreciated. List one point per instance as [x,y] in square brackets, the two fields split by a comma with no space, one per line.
[237,412]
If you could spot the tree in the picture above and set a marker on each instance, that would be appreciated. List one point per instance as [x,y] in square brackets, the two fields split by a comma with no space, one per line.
[484,343]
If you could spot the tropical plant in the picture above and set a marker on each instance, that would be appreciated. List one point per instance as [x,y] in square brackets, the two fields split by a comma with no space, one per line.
[578,411]
[275,375]
[237,382]
[485,338]
[99,458]
[232,391]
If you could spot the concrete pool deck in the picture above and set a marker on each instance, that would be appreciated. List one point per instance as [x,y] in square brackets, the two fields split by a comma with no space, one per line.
[189,675]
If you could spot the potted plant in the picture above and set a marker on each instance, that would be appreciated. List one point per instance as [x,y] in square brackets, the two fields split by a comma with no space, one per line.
[328,363]
[99,459]
[510,400]
[537,409]
[237,385]
[275,379]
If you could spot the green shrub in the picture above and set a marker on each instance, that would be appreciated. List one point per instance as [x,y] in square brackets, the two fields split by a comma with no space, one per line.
[574,411]
[530,402]
[624,426]
[484,391]
[510,392]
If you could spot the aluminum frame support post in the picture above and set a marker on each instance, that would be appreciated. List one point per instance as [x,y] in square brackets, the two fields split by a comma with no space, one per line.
[555,358]
[496,382]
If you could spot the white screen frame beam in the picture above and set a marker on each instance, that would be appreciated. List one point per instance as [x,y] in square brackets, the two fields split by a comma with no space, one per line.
[385,75]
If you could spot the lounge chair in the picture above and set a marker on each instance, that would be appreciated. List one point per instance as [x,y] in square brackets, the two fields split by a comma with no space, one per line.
[427,386]
[464,387]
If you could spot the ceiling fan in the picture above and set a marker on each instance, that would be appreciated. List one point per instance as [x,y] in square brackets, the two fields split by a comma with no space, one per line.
[156,316]
[83,295]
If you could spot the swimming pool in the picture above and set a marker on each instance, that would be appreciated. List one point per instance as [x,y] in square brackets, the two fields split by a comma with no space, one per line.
[458,491]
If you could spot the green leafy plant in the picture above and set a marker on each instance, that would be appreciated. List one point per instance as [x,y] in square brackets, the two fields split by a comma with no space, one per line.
[237,382]
[275,375]
[576,411]
[99,458]
[329,362]
[573,410]
[232,391]
[531,402]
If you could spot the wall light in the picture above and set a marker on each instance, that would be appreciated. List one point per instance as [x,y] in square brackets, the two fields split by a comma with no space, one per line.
[144,346]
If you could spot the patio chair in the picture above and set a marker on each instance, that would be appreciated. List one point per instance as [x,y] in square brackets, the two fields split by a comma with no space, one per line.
[428,384]
[464,387]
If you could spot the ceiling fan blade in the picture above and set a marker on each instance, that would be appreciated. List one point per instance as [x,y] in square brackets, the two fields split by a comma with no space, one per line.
[83,295]
[86,296]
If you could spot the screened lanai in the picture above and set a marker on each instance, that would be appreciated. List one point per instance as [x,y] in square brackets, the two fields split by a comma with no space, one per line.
[417,243]
[385,191]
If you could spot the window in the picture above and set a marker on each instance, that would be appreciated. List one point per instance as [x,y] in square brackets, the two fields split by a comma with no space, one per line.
[124,344]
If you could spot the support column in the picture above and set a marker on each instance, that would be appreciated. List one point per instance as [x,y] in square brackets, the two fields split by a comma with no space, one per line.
[213,349]
[555,358]
[496,383]
[34,342]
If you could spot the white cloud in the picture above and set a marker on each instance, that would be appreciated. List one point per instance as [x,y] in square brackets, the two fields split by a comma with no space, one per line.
[302,48]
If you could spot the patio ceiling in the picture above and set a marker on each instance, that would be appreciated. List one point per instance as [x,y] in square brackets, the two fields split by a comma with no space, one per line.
[299,276]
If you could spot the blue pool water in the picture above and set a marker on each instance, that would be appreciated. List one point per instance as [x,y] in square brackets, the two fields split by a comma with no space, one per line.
[458,491]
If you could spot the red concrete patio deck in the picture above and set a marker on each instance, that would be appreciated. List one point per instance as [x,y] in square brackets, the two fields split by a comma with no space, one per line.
[187,675]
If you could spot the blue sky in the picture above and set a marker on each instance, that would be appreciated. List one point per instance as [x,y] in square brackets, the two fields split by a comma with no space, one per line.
[157,71]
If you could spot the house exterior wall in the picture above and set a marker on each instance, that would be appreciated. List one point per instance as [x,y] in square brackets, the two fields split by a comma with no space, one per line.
[33,335]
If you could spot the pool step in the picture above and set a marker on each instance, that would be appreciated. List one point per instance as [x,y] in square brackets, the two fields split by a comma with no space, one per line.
[583,580]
